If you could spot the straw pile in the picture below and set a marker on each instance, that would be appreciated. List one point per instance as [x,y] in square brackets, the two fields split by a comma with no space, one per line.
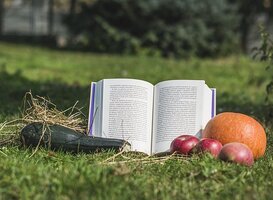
[40,109]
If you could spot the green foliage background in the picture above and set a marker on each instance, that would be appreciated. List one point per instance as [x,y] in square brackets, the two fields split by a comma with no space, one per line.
[170,27]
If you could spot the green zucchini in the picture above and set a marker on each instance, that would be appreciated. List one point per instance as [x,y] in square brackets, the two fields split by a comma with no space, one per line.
[57,137]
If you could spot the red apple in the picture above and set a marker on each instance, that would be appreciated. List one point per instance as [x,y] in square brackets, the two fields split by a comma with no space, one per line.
[208,145]
[238,153]
[183,144]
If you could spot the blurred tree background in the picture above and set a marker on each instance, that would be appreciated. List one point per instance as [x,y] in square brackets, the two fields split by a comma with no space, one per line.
[170,27]
[176,28]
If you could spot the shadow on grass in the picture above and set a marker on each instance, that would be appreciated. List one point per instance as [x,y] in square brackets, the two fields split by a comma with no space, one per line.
[13,88]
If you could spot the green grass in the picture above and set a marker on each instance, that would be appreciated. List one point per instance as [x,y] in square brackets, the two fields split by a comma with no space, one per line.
[64,77]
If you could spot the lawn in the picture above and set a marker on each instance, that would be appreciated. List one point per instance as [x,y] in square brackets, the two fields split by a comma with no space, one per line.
[64,77]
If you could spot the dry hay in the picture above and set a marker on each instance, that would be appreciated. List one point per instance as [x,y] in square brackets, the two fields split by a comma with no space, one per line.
[124,158]
[42,110]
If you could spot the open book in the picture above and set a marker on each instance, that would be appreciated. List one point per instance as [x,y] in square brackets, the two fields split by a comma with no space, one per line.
[148,116]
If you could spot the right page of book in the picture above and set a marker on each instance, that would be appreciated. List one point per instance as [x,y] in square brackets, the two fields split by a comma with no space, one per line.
[209,105]
[178,109]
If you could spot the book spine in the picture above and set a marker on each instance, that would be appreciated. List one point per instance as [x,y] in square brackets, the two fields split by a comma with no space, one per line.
[91,109]
[213,102]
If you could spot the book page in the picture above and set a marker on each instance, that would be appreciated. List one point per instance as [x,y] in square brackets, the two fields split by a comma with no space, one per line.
[208,105]
[127,112]
[95,111]
[177,110]
[92,109]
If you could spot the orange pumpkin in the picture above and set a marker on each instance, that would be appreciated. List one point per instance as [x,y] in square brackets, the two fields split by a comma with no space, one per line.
[236,127]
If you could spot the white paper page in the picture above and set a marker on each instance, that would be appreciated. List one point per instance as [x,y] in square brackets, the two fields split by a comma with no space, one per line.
[97,112]
[127,112]
[177,111]
[207,106]
[92,110]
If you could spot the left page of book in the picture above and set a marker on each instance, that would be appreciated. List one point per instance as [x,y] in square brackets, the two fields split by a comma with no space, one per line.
[95,109]
[126,112]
